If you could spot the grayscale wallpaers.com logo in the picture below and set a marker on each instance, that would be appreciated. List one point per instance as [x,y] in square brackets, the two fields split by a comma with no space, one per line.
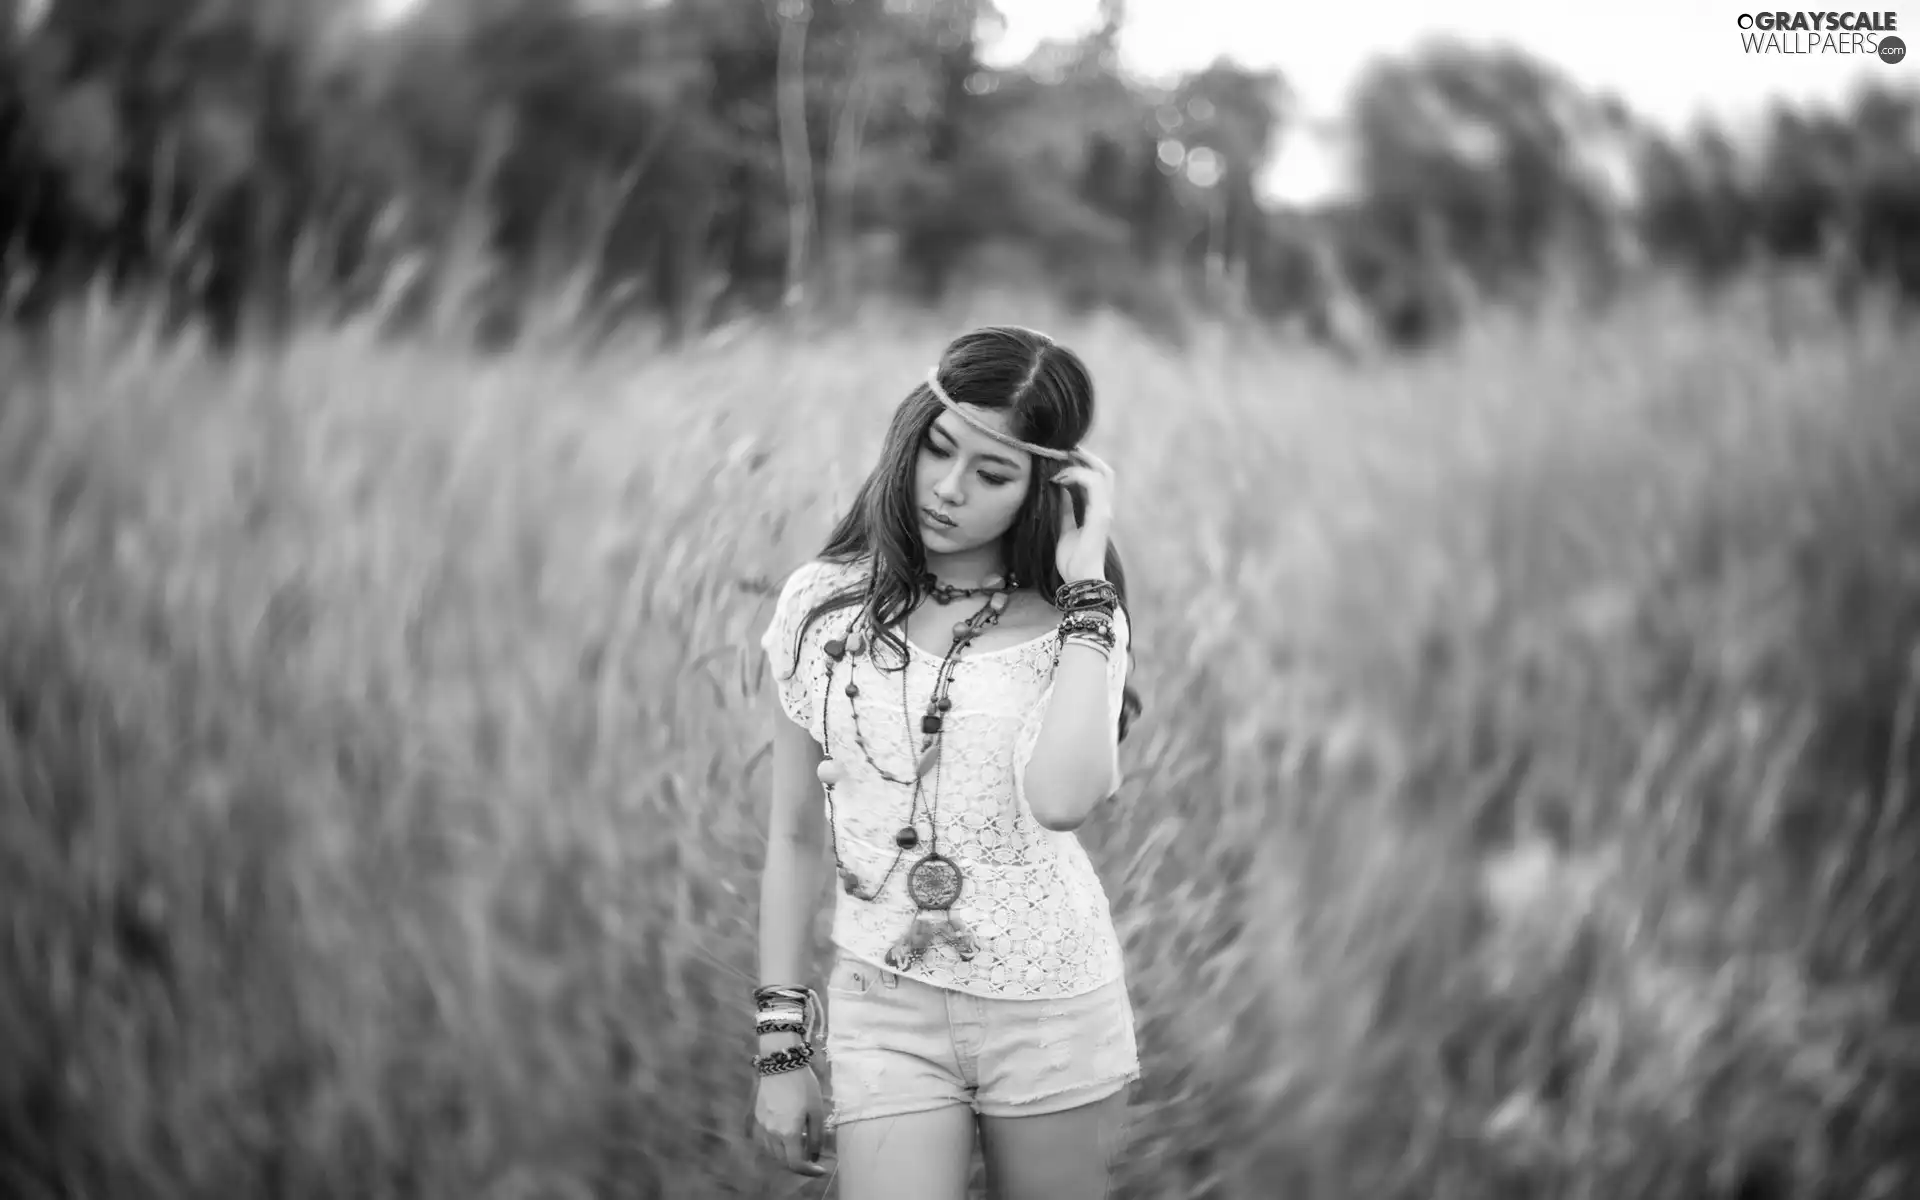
[1823,33]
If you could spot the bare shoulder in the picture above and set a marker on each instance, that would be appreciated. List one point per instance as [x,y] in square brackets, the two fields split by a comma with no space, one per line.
[816,579]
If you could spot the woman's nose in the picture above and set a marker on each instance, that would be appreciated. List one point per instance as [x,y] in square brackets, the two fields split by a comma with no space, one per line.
[947,487]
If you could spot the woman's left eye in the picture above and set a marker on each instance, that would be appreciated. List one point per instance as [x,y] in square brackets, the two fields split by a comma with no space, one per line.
[993,479]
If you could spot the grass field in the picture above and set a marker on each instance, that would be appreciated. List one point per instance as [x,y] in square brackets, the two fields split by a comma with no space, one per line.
[1522,806]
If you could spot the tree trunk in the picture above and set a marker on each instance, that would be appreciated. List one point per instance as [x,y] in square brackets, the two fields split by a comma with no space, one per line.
[936,236]
[843,174]
[791,91]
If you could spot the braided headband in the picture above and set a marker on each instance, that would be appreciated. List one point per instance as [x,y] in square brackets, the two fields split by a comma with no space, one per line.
[940,394]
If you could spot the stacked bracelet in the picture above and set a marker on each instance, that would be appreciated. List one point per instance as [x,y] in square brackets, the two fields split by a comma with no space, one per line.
[1088,627]
[781,1061]
[1089,605]
[785,1010]
[1087,595]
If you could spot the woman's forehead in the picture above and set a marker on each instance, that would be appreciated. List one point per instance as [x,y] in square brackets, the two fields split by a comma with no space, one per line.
[973,442]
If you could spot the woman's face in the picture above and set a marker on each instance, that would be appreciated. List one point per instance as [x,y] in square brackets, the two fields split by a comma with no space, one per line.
[967,486]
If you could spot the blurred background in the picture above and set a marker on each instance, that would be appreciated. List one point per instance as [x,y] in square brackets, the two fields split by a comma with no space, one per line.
[409,409]
[1348,179]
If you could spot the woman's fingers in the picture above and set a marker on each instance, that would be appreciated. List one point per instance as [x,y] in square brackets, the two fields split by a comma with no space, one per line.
[798,1151]
[813,1134]
[799,1159]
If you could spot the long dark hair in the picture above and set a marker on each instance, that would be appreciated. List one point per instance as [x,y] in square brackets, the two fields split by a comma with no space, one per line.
[1049,393]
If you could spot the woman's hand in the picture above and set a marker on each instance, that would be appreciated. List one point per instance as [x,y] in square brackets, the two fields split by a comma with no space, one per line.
[789,1119]
[1083,545]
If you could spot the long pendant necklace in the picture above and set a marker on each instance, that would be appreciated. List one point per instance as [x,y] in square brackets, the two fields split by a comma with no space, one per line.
[934,882]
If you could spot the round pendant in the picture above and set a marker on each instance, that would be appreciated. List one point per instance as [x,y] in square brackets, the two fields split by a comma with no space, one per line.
[934,883]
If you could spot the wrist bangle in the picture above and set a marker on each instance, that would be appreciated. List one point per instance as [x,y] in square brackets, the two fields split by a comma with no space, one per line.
[785,1008]
[1095,628]
[1087,595]
[781,1061]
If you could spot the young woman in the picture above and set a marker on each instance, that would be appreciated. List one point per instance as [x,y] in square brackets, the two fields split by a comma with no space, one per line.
[950,693]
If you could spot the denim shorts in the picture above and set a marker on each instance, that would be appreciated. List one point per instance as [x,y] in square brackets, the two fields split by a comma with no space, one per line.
[896,1046]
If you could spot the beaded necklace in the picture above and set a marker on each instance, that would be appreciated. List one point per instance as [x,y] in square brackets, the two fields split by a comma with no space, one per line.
[934,882]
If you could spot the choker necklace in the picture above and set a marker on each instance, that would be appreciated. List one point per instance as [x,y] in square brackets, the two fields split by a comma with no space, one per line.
[946,593]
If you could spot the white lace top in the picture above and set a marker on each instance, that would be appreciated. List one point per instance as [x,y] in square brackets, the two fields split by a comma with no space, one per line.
[1029,894]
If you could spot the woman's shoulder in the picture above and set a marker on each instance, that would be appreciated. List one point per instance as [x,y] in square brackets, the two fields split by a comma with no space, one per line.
[814,581]
[821,575]
[805,590]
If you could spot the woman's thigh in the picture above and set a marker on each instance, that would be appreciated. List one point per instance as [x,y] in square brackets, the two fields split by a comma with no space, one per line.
[1064,1155]
[917,1156]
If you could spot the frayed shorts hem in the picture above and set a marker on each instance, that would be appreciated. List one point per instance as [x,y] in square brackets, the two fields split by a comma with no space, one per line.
[886,1112]
[1065,1100]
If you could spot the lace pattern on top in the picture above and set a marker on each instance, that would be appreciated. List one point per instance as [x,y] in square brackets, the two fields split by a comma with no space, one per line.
[1030,895]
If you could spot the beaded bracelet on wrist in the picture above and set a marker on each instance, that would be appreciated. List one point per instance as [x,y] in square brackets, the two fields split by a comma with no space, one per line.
[781,1061]
[1101,644]
[1103,636]
[1087,624]
[780,1027]
[1088,617]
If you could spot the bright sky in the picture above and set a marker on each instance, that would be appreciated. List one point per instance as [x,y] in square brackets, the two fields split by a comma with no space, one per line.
[1669,59]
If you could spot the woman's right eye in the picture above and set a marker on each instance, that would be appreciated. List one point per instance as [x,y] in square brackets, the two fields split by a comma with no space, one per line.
[932,449]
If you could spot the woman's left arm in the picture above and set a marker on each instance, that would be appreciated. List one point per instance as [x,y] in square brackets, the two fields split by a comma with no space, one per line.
[1075,761]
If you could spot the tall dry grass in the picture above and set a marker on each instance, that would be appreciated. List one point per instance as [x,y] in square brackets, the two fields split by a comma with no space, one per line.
[1522,806]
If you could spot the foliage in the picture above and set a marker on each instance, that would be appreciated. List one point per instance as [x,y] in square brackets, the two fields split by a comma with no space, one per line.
[261,160]
[1523,805]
